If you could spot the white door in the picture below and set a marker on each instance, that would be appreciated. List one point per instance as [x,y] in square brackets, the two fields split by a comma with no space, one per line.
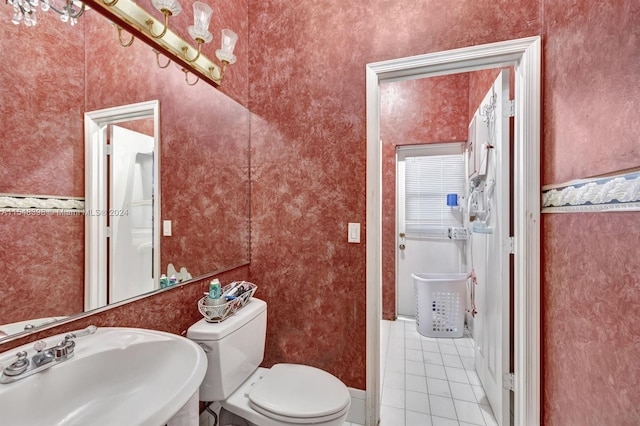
[490,245]
[428,250]
[131,269]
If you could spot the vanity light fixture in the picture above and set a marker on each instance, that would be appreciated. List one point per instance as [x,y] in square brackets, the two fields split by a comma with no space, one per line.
[200,28]
[168,8]
[25,11]
[171,42]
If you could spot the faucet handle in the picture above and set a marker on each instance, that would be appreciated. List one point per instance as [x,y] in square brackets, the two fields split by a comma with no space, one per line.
[40,346]
[16,365]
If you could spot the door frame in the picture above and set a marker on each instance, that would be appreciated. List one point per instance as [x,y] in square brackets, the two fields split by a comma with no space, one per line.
[525,56]
[96,124]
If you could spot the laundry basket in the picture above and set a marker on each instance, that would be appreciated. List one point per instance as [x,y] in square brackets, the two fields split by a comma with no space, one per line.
[440,304]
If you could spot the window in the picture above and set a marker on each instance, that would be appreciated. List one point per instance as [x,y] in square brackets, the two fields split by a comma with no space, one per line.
[427,181]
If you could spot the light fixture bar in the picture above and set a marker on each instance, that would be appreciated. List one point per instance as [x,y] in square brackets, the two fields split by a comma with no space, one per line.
[171,42]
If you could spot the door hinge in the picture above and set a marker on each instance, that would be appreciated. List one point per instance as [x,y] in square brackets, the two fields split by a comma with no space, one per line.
[510,246]
[108,232]
[107,150]
[510,108]
[507,381]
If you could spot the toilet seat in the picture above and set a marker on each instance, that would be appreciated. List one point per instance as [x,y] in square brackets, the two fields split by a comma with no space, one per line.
[299,394]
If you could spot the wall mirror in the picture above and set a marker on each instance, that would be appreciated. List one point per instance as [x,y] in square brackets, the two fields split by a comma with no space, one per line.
[204,158]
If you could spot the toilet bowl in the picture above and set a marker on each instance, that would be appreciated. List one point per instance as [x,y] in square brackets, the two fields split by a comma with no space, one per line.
[284,395]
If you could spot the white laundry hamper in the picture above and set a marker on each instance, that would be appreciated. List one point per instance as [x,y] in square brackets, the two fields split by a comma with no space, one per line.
[440,304]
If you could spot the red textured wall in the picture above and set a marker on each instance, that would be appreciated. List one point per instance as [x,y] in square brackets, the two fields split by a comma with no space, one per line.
[41,153]
[590,266]
[431,110]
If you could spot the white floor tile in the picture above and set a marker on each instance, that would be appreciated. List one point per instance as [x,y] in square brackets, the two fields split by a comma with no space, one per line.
[432,358]
[417,419]
[462,391]
[468,363]
[441,421]
[393,380]
[481,397]
[415,383]
[435,371]
[438,387]
[430,381]
[473,378]
[413,343]
[414,367]
[458,375]
[448,349]
[442,407]
[393,397]
[413,355]
[417,401]
[469,412]
[390,416]
[452,361]
[430,347]
[466,351]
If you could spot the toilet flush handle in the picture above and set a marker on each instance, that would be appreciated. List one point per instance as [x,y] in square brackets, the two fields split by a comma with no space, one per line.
[206,348]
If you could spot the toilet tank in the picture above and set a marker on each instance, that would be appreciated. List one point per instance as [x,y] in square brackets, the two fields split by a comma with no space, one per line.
[234,348]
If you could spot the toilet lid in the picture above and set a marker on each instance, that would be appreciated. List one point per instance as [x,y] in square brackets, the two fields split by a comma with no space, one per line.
[296,391]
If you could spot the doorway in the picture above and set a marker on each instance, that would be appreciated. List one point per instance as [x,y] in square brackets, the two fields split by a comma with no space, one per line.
[524,56]
[122,202]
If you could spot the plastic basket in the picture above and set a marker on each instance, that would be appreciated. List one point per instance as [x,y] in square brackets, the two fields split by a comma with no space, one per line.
[440,304]
[219,313]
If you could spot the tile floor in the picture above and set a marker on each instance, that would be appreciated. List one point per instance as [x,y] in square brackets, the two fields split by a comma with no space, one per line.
[428,381]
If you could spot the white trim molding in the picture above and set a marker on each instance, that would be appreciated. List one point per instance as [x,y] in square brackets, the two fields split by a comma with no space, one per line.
[620,192]
[9,202]
[525,56]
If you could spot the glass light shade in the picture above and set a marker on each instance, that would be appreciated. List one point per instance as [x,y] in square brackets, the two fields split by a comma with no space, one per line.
[171,5]
[201,17]
[225,53]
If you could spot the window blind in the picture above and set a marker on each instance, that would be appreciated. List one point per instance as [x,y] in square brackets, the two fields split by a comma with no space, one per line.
[428,180]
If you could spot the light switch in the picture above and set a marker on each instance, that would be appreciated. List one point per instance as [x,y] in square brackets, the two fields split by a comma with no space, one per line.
[354,233]
[166,228]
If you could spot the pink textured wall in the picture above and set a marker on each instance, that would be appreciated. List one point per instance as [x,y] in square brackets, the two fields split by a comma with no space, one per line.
[590,284]
[432,110]
[42,153]
[307,94]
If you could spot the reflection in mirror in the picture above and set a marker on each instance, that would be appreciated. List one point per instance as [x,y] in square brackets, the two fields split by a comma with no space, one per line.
[122,205]
[203,155]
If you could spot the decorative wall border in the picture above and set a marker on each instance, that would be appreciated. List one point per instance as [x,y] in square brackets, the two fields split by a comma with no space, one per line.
[618,192]
[16,203]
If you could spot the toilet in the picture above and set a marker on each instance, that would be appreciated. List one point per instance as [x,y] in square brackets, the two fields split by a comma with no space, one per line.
[283,395]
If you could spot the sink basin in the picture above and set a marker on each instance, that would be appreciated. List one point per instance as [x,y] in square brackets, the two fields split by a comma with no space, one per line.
[117,376]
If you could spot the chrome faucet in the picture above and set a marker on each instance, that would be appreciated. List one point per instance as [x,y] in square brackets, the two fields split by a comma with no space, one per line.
[20,366]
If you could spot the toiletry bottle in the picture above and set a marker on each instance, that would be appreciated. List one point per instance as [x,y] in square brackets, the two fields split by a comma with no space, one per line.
[164,281]
[173,280]
[215,291]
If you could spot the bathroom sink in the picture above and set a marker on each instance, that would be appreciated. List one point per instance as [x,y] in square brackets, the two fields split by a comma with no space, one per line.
[117,376]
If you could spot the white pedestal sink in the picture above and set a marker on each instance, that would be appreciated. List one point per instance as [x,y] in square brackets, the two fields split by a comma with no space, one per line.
[117,376]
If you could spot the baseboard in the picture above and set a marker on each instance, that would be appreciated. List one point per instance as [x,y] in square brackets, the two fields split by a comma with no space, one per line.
[357,412]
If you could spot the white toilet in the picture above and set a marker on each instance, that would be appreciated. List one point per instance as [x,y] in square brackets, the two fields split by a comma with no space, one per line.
[284,395]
